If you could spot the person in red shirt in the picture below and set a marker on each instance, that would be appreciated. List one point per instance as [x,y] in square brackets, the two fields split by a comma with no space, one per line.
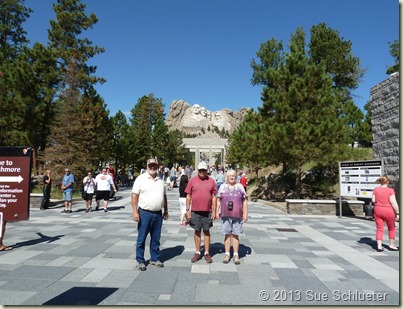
[201,193]
[386,210]
[244,181]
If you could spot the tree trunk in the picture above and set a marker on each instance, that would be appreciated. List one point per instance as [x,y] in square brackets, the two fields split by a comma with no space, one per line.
[284,167]
[34,160]
[298,182]
[257,173]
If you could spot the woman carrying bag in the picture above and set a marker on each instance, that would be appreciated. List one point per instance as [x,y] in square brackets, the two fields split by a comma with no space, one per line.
[386,210]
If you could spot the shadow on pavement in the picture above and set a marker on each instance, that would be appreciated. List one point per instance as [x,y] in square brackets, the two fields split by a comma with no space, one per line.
[218,248]
[82,296]
[169,253]
[42,239]
[368,241]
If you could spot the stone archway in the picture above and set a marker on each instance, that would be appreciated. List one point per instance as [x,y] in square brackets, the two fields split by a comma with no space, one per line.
[209,145]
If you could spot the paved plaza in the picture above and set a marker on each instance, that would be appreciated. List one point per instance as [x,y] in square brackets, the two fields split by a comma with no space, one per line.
[88,259]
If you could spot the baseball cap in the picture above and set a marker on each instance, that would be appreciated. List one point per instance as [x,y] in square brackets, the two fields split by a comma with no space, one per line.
[202,166]
[152,161]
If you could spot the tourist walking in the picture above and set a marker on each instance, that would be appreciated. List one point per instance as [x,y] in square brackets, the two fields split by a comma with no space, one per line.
[220,178]
[47,185]
[201,195]
[150,208]
[112,189]
[67,187]
[182,198]
[89,189]
[172,178]
[244,181]
[386,210]
[232,206]
[104,183]
[3,230]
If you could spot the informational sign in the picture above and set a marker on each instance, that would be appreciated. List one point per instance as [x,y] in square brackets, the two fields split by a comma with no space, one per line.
[15,175]
[357,178]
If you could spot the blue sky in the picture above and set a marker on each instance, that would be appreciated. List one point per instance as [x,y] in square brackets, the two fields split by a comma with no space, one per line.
[200,51]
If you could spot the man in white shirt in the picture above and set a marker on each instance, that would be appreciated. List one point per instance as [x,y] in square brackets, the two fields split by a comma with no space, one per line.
[150,208]
[104,183]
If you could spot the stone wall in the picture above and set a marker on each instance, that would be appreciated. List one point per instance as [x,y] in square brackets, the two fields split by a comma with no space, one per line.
[385,104]
[350,208]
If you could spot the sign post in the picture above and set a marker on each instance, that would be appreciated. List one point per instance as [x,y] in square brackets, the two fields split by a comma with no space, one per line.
[15,178]
[357,178]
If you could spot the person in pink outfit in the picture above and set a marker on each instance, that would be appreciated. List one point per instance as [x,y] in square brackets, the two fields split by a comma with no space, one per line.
[386,210]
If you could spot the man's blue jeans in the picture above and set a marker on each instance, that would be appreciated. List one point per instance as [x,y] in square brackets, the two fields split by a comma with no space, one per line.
[150,222]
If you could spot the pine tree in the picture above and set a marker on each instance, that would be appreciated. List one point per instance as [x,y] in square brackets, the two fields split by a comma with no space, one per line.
[246,145]
[300,106]
[87,138]
[121,139]
[67,41]
[394,50]
[175,150]
[365,128]
[13,39]
[141,125]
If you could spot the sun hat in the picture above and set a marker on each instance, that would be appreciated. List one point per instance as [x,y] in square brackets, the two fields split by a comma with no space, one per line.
[152,161]
[202,166]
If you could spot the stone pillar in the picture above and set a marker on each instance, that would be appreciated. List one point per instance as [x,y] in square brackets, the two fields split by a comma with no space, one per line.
[211,155]
[385,106]
[197,157]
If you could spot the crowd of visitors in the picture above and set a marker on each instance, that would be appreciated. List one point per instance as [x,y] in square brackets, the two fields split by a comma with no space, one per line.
[206,194]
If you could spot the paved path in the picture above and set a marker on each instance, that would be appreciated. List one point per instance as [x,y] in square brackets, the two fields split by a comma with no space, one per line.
[88,259]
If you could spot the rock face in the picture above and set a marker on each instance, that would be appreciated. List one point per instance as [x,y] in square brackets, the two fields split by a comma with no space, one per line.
[193,119]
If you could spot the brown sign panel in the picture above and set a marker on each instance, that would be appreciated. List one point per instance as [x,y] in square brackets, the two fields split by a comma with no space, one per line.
[15,176]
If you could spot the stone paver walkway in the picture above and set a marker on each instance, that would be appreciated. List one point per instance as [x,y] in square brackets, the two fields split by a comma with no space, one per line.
[88,259]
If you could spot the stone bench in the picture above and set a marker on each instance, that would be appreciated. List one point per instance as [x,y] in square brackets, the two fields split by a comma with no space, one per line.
[324,207]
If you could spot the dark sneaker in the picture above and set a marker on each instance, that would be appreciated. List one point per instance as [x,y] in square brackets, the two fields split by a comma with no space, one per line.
[237,261]
[70,211]
[196,257]
[64,211]
[226,259]
[208,258]
[141,266]
[105,210]
[157,263]
[96,208]
[87,210]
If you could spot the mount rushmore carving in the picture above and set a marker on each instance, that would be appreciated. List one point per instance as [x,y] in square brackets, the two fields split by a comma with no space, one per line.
[194,119]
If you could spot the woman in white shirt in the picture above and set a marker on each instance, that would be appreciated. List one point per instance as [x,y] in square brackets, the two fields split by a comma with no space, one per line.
[89,189]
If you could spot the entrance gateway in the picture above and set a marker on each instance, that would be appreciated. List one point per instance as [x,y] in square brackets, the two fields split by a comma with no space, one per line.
[206,145]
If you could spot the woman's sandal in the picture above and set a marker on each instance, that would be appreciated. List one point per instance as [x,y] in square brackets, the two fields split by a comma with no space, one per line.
[6,248]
